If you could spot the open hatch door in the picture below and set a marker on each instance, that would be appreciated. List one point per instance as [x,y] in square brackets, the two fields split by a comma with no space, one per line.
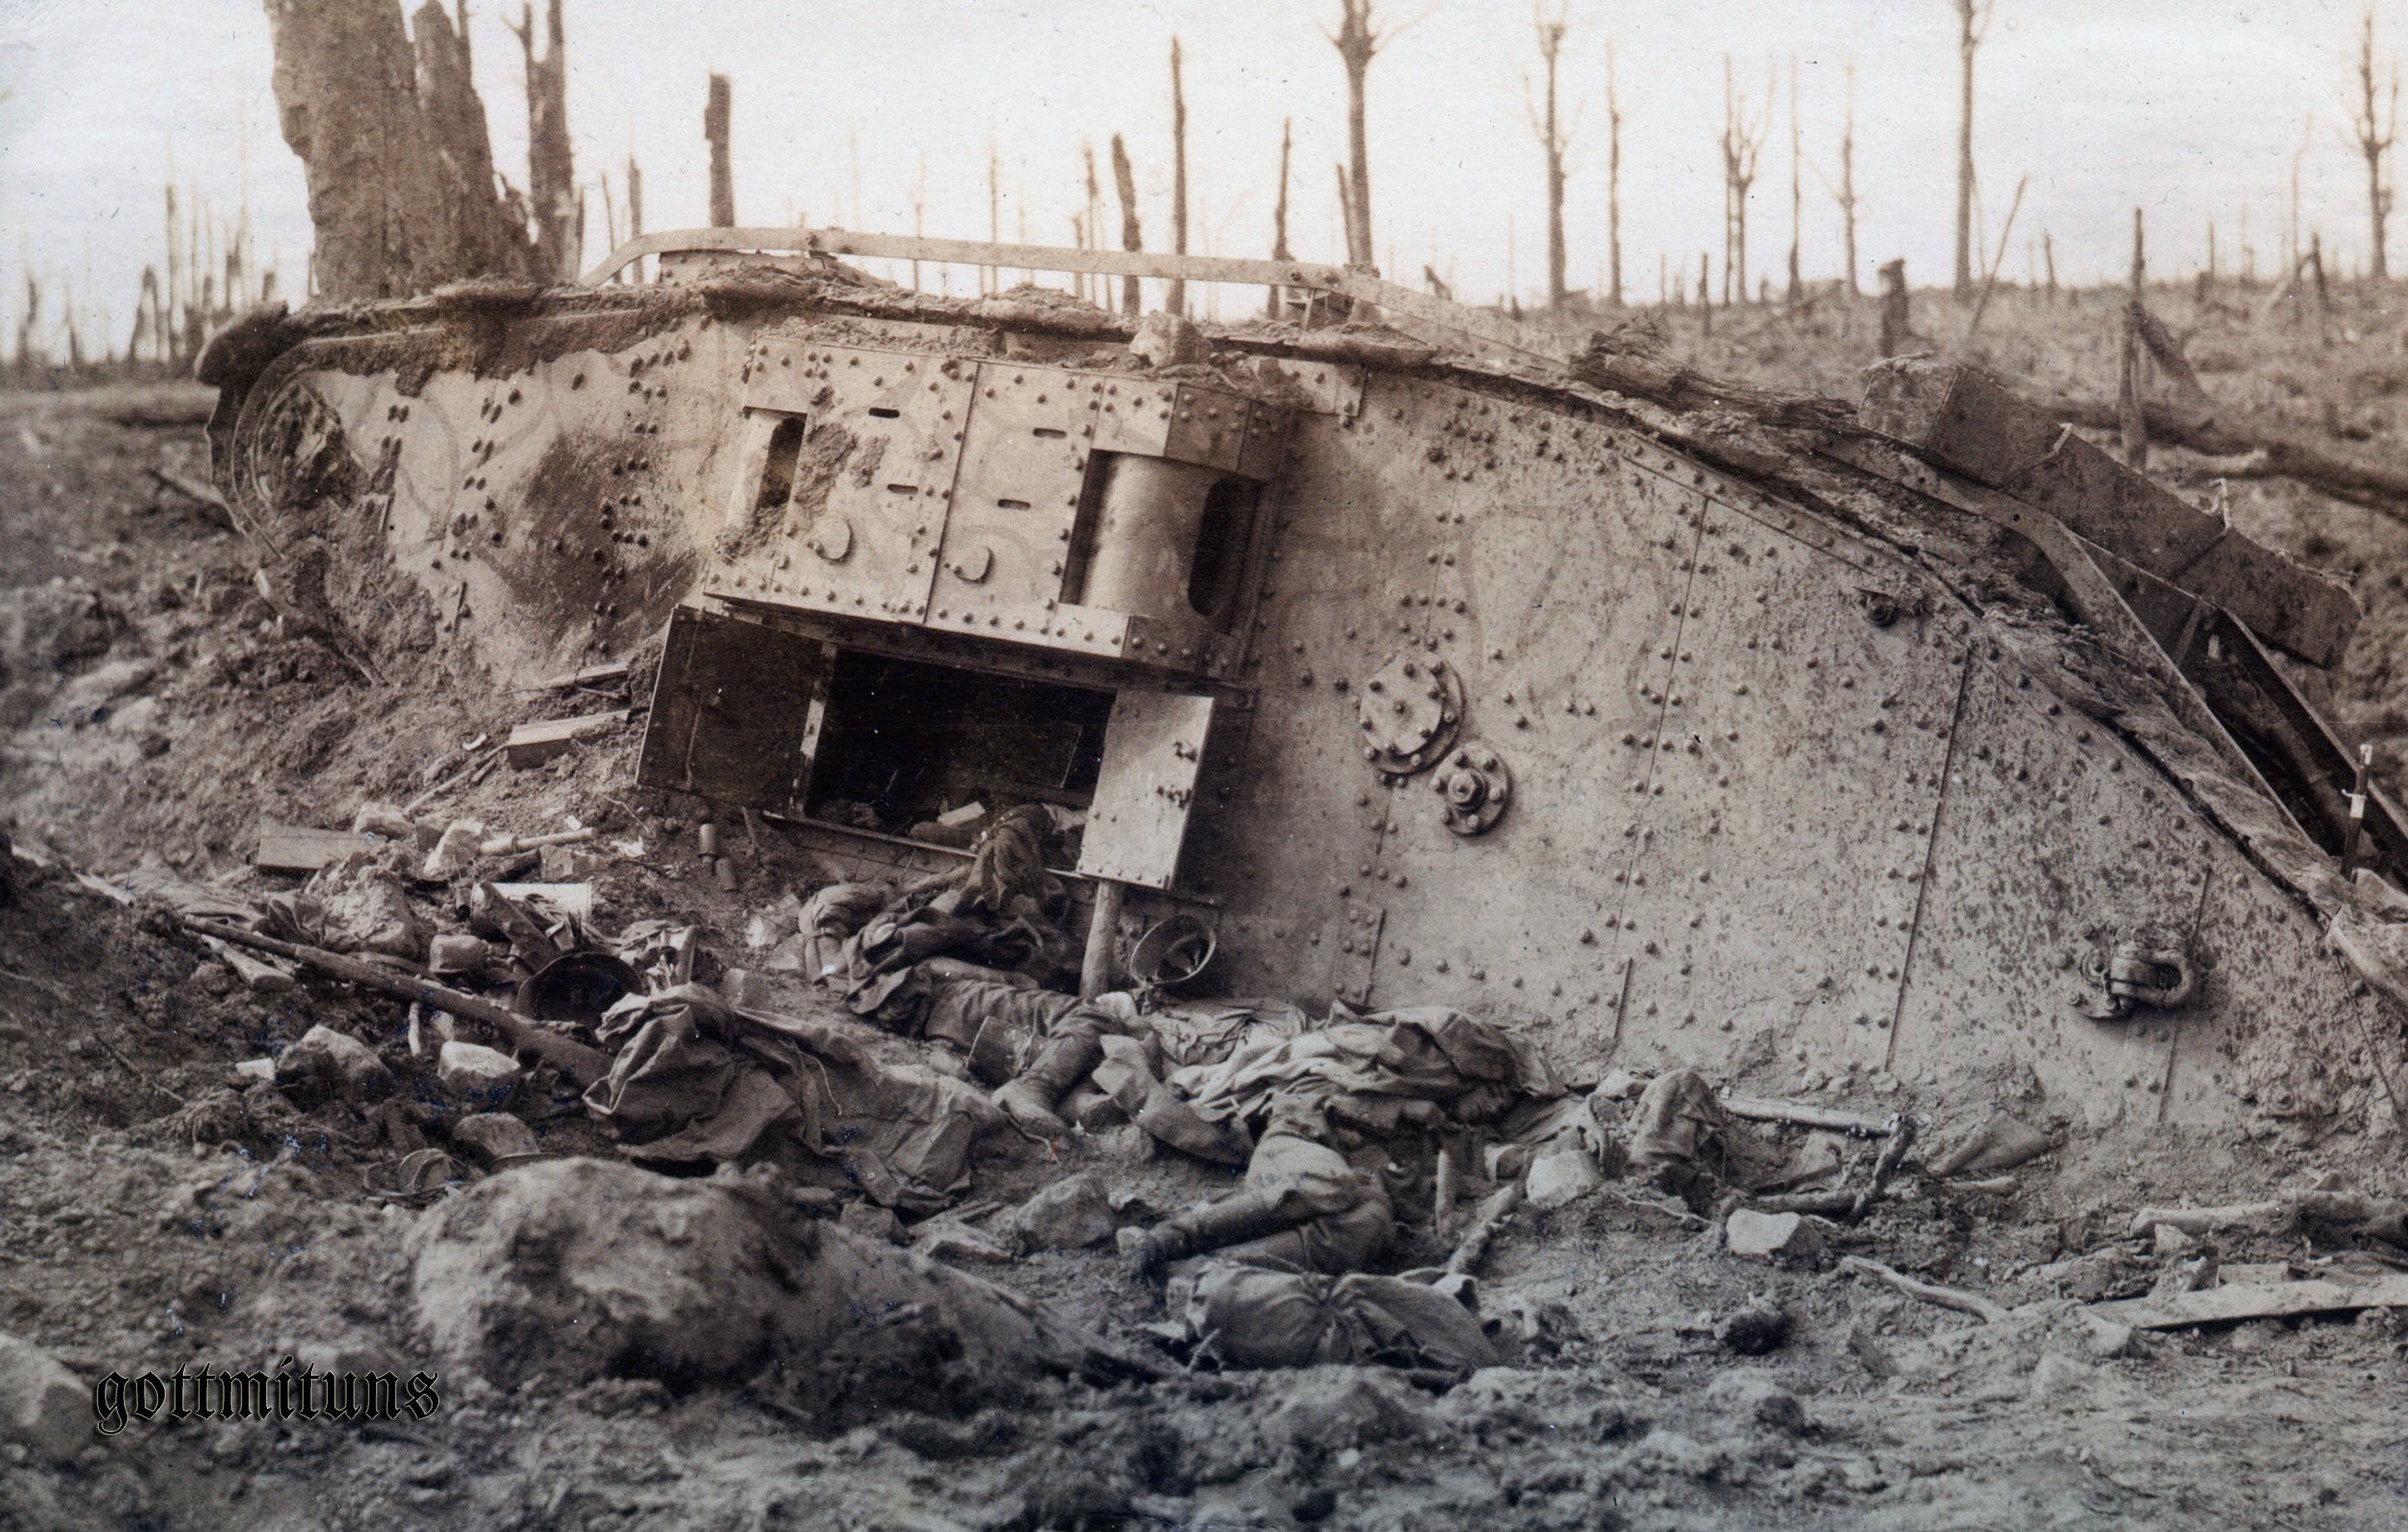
[1152,749]
[733,710]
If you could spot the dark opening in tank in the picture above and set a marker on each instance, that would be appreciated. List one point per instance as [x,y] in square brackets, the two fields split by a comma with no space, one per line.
[905,744]
[778,467]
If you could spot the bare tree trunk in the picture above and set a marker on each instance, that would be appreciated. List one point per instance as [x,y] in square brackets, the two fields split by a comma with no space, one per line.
[347,103]
[487,233]
[1741,144]
[169,342]
[2374,130]
[1897,315]
[722,174]
[1356,44]
[1796,189]
[2128,364]
[1177,299]
[552,173]
[1972,20]
[635,199]
[1551,139]
[1132,237]
[1098,289]
[1705,295]
[1614,186]
[1847,193]
[1279,252]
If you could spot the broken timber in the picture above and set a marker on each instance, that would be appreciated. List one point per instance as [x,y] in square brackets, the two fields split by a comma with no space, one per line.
[292,848]
[533,744]
[1969,424]
[2276,1300]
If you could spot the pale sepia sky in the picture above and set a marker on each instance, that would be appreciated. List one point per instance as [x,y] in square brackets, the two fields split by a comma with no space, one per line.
[2189,110]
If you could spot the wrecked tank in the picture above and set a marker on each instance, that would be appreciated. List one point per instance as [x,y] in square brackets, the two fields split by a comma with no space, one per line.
[1423,661]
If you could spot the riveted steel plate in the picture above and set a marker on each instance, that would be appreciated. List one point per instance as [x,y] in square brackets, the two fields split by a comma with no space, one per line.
[541,510]
[859,531]
[1798,748]
[1153,746]
[1024,458]
[2052,837]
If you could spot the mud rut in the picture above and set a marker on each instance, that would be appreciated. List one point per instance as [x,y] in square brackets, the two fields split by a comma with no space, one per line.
[153,711]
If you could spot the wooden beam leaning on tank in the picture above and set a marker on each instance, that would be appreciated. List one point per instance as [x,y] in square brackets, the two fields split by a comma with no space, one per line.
[1966,422]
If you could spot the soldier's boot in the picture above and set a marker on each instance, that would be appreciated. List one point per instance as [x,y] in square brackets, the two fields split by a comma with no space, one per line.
[1060,1064]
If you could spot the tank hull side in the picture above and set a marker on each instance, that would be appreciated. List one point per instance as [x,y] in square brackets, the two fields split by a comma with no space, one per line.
[1876,843]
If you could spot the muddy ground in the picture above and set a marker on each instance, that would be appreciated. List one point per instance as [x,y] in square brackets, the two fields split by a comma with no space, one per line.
[154,709]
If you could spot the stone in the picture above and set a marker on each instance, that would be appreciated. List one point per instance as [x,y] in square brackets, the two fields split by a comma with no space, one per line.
[948,1239]
[1756,1328]
[2170,1242]
[2106,1340]
[1562,1178]
[1168,340]
[477,1073]
[455,851]
[1750,1394]
[335,1061]
[872,1221]
[457,953]
[1771,1236]
[573,1269]
[42,1406]
[496,1135]
[1333,1408]
[80,701]
[388,822]
[1069,1214]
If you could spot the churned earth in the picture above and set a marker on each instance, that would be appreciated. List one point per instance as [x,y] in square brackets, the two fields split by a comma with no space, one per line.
[157,1210]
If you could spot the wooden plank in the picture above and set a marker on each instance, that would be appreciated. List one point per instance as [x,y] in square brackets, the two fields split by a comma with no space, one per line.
[593,674]
[294,848]
[2221,1305]
[1970,423]
[533,744]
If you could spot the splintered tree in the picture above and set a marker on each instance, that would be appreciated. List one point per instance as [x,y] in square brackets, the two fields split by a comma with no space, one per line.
[2375,121]
[1743,143]
[1357,42]
[1796,195]
[723,175]
[1613,185]
[1972,23]
[1132,237]
[1844,193]
[1279,216]
[389,213]
[487,233]
[1553,138]
[1177,300]
[552,176]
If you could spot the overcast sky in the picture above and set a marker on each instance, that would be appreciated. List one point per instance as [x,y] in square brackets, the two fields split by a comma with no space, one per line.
[2193,110]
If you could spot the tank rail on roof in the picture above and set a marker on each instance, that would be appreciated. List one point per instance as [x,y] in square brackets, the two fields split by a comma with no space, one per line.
[1438,322]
